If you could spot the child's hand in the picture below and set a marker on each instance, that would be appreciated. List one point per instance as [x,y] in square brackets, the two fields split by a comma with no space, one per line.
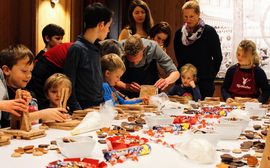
[26,96]
[145,100]
[57,114]
[230,100]
[13,106]
[192,84]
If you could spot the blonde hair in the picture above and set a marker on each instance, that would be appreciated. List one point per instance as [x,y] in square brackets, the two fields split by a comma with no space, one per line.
[192,5]
[189,68]
[249,46]
[55,80]
[112,62]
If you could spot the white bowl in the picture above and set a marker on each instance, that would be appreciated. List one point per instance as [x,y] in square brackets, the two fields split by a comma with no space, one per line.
[228,131]
[82,147]
[240,122]
[174,112]
[260,112]
[158,120]
[252,105]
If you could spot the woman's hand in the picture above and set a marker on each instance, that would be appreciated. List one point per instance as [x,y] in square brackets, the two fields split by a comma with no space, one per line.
[14,106]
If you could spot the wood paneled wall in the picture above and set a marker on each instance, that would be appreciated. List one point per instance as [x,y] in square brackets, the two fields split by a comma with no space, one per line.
[17,24]
[169,11]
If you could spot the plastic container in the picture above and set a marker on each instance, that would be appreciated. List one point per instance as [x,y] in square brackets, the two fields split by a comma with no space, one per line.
[228,131]
[239,122]
[158,120]
[260,112]
[82,147]
[172,112]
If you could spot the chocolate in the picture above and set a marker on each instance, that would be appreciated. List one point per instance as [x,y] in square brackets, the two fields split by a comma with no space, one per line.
[226,158]
[102,141]
[43,145]
[102,135]
[246,145]
[264,132]
[249,135]
[257,127]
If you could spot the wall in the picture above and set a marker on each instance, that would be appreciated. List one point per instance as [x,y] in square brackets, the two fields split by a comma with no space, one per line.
[17,23]
[58,14]
[169,11]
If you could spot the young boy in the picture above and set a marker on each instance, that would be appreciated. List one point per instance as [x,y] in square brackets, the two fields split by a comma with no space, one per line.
[188,87]
[52,35]
[17,64]
[82,64]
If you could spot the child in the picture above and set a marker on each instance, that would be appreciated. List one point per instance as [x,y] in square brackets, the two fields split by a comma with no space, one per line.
[246,78]
[51,62]
[52,35]
[82,64]
[17,64]
[113,68]
[53,86]
[188,87]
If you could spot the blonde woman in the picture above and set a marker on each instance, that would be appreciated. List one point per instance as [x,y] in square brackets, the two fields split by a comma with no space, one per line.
[198,43]
[246,78]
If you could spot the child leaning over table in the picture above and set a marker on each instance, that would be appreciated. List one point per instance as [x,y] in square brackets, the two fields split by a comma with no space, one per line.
[187,87]
[53,87]
[113,68]
[17,63]
[246,78]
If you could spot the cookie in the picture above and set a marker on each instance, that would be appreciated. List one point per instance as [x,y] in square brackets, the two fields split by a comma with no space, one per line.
[37,153]
[249,135]
[237,151]
[28,147]
[16,154]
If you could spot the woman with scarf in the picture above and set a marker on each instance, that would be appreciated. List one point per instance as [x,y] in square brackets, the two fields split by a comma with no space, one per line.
[198,43]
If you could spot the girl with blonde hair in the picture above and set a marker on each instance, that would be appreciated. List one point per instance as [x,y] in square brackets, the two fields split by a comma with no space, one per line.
[246,78]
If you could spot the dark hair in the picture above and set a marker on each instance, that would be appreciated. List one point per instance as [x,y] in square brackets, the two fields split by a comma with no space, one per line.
[11,55]
[52,30]
[161,27]
[148,22]
[111,46]
[94,14]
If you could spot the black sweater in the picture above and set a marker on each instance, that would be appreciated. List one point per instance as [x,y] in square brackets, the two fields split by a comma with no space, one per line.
[205,53]
[83,67]
[263,89]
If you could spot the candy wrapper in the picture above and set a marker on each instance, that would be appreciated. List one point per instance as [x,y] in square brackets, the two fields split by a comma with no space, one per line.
[77,162]
[116,156]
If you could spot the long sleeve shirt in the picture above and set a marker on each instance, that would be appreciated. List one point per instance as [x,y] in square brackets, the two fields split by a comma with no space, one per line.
[186,91]
[111,94]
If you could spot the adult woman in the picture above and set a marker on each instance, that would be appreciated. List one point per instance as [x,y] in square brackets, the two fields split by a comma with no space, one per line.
[198,43]
[140,20]
[161,33]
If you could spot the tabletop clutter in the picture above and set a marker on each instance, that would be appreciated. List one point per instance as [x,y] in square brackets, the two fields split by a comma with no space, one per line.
[201,124]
